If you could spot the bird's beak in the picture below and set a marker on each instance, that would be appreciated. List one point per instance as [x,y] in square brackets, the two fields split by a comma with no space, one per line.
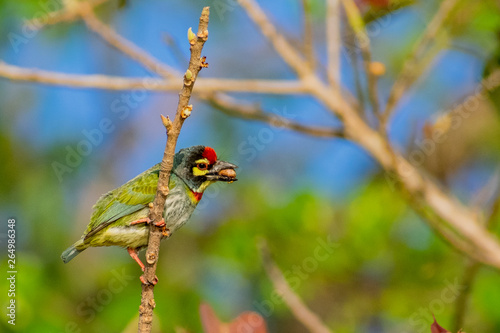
[222,171]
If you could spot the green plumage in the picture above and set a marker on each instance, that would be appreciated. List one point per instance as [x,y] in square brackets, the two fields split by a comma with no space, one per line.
[118,208]
[113,214]
[127,199]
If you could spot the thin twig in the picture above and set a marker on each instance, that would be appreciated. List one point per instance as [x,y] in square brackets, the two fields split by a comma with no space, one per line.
[443,230]
[350,46]
[333,42]
[422,68]
[289,54]
[156,214]
[363,41]
[125,46]
[403,82]
[308,34]
[96,81]
[303,314]
[234,108]
[147,83]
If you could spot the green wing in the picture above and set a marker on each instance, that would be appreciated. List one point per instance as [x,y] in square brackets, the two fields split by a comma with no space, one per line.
[124,200]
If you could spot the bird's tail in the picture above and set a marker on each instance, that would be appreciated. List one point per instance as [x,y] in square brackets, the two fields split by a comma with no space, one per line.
[71,251]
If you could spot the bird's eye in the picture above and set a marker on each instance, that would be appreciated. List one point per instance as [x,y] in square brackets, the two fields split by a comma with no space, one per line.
[202,166]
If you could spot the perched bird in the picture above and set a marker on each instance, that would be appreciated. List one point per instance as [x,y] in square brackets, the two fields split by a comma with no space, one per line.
[120,217]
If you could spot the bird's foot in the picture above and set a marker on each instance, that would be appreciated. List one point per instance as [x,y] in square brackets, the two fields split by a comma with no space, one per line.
[139,221]
[133,254]
[143,280]
[160,224]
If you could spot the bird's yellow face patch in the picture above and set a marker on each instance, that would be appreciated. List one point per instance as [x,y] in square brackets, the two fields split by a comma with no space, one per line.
[204,185]
[201,167]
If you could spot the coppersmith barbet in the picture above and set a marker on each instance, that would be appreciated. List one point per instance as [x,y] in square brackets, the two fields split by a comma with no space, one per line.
[120,217]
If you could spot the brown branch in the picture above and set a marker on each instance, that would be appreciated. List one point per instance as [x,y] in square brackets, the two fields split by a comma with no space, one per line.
[445,206]
[96,81]
[235,108]
[289,54]
[444,230]
[363,41]
[125,46]
[148,83]
[156,214]
[308,37]
[303,314]
[354,61]
[403,82]
[473,267]
[333,43]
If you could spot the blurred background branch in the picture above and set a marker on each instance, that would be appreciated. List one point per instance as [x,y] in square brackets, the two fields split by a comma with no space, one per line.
[410,71]
[147,83]
[303,314]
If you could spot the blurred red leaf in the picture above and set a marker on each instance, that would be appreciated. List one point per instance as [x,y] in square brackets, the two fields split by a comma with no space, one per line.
[436,328]
[248,322]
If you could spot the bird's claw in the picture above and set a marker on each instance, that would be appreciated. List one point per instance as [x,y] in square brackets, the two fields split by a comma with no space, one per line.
[164,230]
[143,280]
[160,224]
[144,220]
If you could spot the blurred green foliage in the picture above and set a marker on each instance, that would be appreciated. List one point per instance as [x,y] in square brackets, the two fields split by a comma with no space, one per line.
[385,267]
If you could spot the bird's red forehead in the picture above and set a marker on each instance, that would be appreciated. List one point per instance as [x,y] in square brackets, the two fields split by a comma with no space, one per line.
[210,155]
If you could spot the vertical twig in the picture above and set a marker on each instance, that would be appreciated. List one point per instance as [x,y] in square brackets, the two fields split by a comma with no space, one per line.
[286,50]
[333,42]
[308,34]
[173,130]
[358,26]
[350,45]
[403,81]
